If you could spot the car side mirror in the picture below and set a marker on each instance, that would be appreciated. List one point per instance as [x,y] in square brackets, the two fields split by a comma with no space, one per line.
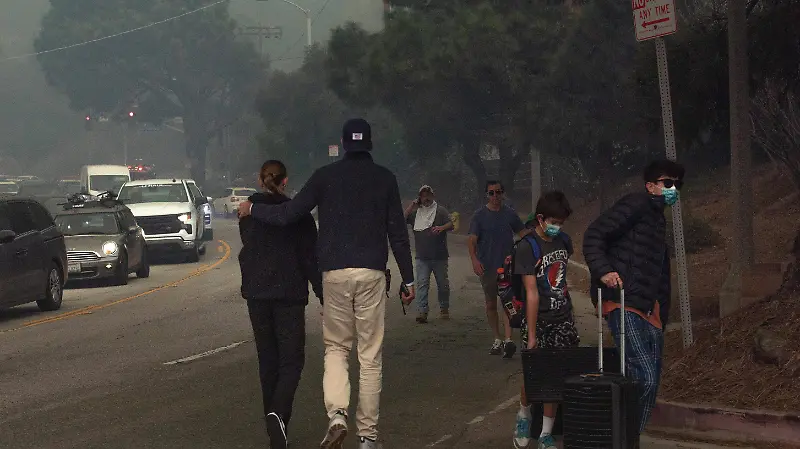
[7,236]
[209,199]
[133,230]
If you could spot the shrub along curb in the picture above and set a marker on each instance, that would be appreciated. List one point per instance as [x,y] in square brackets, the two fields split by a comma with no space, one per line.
[733,423]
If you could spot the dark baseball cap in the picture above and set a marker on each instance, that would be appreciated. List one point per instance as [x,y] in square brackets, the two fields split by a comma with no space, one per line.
[357,135]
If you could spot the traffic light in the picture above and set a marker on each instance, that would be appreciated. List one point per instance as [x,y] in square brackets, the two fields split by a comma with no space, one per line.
[88,122]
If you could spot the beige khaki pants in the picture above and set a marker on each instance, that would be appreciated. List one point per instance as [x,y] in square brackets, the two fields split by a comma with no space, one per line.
[354,310]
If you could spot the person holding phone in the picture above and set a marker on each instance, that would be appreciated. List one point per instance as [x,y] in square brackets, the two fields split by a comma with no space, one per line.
[431,223]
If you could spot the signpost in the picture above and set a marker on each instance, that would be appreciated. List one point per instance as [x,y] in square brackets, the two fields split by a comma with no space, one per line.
[333,150]
[654,19]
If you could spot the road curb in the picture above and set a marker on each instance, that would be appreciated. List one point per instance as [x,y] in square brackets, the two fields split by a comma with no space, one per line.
[737,424]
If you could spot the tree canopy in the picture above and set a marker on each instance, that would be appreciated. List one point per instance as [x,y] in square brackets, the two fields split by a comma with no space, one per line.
[192,67]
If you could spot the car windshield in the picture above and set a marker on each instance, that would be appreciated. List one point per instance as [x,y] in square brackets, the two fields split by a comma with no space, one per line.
[8,188]
[154,193]
[103,223]
[243,192]
[107,183]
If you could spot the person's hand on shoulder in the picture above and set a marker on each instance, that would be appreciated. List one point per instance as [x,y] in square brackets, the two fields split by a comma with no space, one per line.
[244,208]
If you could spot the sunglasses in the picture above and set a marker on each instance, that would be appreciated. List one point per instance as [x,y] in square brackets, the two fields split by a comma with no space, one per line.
[494,192]
[669,183]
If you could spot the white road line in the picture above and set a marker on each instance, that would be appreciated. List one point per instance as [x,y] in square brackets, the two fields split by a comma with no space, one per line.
[476,420]
[503,406]
[580,265]
[441,440]
[205,354]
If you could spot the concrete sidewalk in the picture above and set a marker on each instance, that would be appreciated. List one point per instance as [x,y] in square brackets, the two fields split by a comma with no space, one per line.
[494,428]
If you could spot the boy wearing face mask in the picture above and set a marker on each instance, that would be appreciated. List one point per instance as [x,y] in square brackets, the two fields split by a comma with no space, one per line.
[541,260]
[626,247]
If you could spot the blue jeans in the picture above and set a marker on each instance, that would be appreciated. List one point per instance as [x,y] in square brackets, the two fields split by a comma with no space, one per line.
[644,346]
[424,270]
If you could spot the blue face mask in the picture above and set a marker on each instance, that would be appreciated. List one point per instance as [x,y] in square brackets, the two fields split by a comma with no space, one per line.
[670,195]
[552,230]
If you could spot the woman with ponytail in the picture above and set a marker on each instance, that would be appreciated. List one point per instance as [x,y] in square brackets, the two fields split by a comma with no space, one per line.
[277,264]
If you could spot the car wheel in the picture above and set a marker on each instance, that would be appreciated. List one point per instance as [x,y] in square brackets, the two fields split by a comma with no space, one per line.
[144,270]
[54,293]
[193,255]
[121,275]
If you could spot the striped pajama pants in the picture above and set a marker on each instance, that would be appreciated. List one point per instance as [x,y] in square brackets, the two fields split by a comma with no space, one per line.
[644,346]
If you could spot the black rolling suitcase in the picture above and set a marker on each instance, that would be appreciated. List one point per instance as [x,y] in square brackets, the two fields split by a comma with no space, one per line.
[601,409]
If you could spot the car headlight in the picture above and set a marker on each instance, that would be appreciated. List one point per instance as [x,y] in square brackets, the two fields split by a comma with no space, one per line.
[186,218]
[110,248]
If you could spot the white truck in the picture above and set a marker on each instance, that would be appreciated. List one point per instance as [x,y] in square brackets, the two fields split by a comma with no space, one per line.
[171,214]
[97,179]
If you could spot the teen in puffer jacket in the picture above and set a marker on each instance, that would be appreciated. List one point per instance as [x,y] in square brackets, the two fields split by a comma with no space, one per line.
[277,263]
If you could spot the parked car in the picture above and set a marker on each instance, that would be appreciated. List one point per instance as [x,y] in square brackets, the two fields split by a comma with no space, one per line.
[171,216]
[33,257]
[103,241]
[229,202]
[208,210]
[70,186]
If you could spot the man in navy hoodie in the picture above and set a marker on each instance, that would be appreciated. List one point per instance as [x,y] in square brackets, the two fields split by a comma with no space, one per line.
[359,208]
[277,263]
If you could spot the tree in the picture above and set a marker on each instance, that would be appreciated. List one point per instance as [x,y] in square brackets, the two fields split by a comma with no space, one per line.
[469,88]
[191,67]
[302,117]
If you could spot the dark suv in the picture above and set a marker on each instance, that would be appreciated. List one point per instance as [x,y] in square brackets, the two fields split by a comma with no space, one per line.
[33,258]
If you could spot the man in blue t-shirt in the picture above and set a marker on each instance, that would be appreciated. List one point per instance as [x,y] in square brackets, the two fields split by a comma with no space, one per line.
[491,238]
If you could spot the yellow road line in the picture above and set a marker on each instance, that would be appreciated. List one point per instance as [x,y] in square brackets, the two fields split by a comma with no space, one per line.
[90,309]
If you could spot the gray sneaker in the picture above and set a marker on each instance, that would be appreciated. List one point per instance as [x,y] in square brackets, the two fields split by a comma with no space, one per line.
[337,431]
[369,444]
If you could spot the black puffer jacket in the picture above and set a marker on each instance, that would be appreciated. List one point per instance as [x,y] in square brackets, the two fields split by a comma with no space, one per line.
[629,238]
[277,263]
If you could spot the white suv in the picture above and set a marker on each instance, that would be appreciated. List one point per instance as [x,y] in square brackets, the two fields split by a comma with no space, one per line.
[229,203]
[169,213]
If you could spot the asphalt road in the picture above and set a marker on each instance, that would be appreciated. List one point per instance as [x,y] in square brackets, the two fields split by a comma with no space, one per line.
[129,367]
[94,374]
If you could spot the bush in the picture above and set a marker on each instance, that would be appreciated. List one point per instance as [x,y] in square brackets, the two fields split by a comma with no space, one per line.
[697,234]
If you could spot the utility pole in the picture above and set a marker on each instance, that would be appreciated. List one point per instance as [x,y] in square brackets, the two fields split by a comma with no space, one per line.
[741,251]
[536,177]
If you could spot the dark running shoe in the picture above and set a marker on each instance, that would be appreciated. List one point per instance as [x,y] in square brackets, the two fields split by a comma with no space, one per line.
[509,348]
[277,431]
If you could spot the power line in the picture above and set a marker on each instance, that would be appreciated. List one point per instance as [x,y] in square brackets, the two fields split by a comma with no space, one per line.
[81,44]
[316,16]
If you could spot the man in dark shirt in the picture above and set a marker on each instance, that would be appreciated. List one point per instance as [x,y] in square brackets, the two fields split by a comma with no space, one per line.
[431,223]
[359,205]
[491,238]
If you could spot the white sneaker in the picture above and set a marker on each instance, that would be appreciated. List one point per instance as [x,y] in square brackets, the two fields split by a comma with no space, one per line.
[522,431]
[369,444]
[337,431]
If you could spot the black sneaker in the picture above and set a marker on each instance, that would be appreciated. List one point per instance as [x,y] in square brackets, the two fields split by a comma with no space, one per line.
[277,431]
[509,348]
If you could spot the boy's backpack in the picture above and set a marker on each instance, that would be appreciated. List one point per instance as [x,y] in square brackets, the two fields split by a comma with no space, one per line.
[510,288]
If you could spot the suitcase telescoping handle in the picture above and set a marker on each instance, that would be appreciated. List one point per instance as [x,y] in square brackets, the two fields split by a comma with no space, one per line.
[621,329]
